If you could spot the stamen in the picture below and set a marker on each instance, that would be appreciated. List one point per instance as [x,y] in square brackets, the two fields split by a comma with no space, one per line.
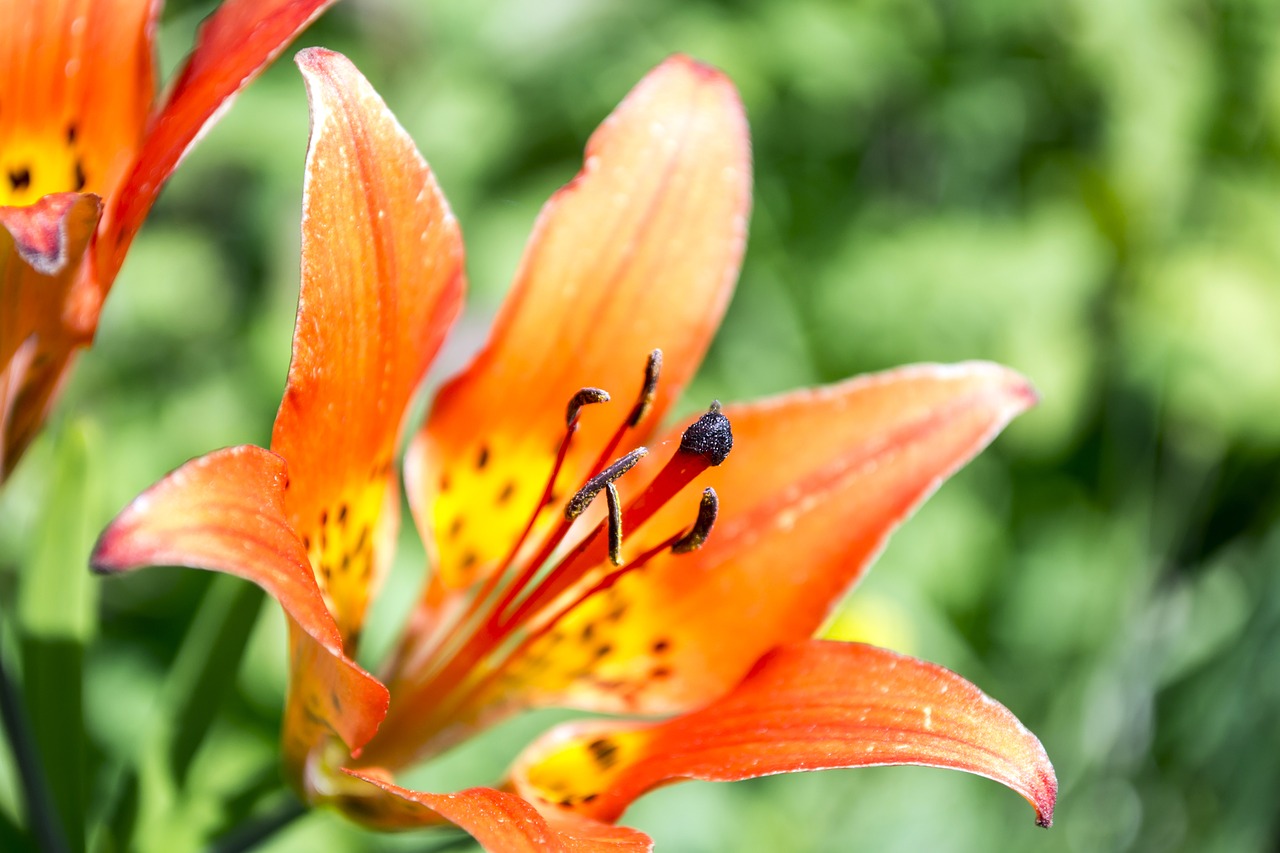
[710,436]
[584,397]
[705,443]
[649,392]
[697,535]
[579,502]
[615,524]
[707,511]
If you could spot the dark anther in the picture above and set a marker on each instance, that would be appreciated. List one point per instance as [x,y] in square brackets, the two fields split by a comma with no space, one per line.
[707,511]
[615,523]
[579,502]
[20,179]
[652,368]
[584,397]
[709,436]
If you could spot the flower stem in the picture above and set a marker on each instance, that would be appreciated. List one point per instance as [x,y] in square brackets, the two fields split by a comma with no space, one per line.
[258,830]
[43,817]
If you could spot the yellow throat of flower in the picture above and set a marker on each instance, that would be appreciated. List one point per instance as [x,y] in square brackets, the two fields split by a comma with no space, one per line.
[38,162]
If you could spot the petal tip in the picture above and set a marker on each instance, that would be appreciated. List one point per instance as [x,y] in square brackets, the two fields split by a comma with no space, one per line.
[1046,797]
[315,58]
[694,67]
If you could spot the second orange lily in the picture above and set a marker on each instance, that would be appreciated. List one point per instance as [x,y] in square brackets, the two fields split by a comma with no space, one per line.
[85,147]
[575,560]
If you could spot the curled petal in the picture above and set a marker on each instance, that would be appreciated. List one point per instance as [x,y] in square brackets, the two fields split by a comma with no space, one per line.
[817,481]
[382,281]
[809,706]
[225,512]
[502,822]
[41,246]
[640,251]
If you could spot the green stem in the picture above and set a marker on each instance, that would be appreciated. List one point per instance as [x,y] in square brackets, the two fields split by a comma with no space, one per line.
[258,830]
[41,813]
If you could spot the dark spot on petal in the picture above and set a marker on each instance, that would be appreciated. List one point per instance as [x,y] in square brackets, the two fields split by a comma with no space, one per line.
[72,130]
[588,631]
[362,542]
[483,458]
[469,559]
[604,752]
[507,491]
[445,482]
[324,517]
[342,514]
[337,703]
[81,180]
[660,672]
[660,646]
[603,650]
[455,528]
[306,542]
[589,798]
[20,178]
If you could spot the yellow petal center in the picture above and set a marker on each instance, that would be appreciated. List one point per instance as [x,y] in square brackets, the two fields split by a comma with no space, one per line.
[35,165]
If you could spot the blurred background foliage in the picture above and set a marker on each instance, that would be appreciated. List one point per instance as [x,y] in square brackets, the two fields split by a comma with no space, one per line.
[1087,190]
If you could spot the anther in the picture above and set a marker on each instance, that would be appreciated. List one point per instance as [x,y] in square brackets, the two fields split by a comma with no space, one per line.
[652,368]
[710,436]
[579,502]
[615,523]
[697,535]
[584,397]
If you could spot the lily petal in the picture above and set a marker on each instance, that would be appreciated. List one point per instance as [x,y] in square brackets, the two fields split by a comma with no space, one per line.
[809,706]
[382,281]
[79,81]
[225,512]
[640,251]
[236,42]
[502,822]
[40,250]
[817,481]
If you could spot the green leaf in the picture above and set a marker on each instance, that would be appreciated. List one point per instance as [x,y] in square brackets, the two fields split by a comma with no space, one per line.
[57,599]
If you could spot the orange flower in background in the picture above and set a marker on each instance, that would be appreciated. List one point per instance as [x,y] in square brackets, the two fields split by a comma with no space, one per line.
[85,146]
[582,557]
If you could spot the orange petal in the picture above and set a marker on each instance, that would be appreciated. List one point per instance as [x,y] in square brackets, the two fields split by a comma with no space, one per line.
[79,80]
[500,821]
[817,481]
[382,281]
[234,44]
[41,247]
[809,706]
[226,512]
[640,251]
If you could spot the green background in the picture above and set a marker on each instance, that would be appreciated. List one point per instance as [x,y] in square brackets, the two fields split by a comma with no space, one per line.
[1086,190]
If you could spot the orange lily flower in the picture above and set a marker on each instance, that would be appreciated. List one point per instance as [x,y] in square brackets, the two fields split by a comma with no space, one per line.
[85,146]
[571,567]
